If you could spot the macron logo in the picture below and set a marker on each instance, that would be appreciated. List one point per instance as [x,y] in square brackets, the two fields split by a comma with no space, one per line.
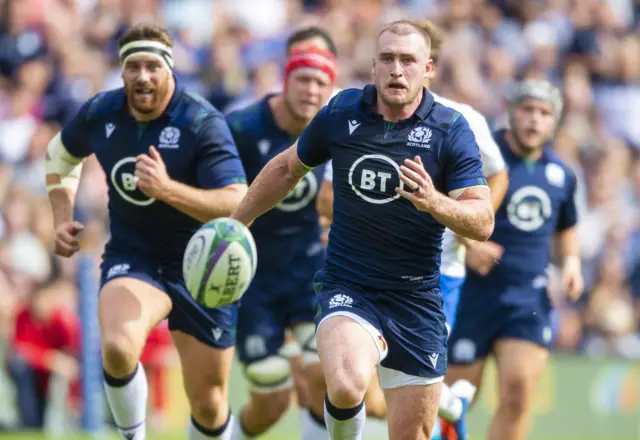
[264,146]
[217,333]
[108,128]
[433,357]
[353,124]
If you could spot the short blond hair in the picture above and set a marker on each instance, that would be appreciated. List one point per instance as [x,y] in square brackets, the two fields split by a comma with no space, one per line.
[406,27]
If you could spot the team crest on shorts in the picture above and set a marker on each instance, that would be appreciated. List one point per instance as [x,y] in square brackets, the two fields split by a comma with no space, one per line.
[340,300]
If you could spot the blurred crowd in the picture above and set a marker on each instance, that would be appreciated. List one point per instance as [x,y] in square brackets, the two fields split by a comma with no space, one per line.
[54,54]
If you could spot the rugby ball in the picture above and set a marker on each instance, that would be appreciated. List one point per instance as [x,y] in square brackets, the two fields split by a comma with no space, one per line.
[219,262]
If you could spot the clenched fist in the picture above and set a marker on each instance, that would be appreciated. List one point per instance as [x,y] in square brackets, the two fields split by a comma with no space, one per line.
[67,243]
[151,174]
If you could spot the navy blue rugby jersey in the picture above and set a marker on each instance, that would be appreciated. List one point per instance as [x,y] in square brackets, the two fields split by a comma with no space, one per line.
[291,229]
[196,145]
[540,201]
[377,238]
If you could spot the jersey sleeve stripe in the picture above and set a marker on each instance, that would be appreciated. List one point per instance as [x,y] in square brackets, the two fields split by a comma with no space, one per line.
[307,167]
[465,183]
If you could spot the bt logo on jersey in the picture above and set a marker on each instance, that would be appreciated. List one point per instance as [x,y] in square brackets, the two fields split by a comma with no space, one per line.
[124,182]
[369,179]
[374,178]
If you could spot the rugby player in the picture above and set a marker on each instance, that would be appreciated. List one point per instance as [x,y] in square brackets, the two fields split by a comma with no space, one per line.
[404,168]
[453,403]
[171,164]
[504,309]
[288,241]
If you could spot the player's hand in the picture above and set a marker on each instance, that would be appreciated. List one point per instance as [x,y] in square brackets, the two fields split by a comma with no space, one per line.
[151,174]
[66,242]
[421,191]
[572,281]
[482,256]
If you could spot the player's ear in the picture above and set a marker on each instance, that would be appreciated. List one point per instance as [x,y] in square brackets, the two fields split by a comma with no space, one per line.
[373,66]
[429,69]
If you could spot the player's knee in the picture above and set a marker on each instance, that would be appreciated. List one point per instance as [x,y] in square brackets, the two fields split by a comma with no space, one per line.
[271,406]
[207,404]
[345,390]
[120,352]
[516,393]
[270,374]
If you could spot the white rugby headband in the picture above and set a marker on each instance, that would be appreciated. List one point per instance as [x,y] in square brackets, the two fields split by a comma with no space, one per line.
[153,48]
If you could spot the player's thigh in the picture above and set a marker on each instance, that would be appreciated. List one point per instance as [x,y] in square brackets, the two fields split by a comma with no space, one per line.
[348,354]
[412,411]
[128,308]
[349,338]
[521,365]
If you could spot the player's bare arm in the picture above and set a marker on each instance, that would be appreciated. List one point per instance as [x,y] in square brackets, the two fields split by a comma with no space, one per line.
[276,180]
[62,178]
[569,250]
[467,212]
[201,204]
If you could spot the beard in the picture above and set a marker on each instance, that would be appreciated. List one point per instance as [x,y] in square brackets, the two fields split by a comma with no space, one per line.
[146,103]
[398,100]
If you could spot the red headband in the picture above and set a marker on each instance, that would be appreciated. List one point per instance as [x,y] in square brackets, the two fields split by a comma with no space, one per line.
[312,57]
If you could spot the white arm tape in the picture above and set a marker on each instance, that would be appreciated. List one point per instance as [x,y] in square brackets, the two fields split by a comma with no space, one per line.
[458,192]
[59,161]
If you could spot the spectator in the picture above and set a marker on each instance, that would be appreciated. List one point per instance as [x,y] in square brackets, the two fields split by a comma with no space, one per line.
[45,343]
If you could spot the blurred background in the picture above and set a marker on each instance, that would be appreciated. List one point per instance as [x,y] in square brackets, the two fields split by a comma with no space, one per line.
[55,54]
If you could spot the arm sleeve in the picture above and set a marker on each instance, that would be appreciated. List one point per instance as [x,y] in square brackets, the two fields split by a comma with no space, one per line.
[75,134]
[461,158]
[312,143]
[568,216]
[218,161]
